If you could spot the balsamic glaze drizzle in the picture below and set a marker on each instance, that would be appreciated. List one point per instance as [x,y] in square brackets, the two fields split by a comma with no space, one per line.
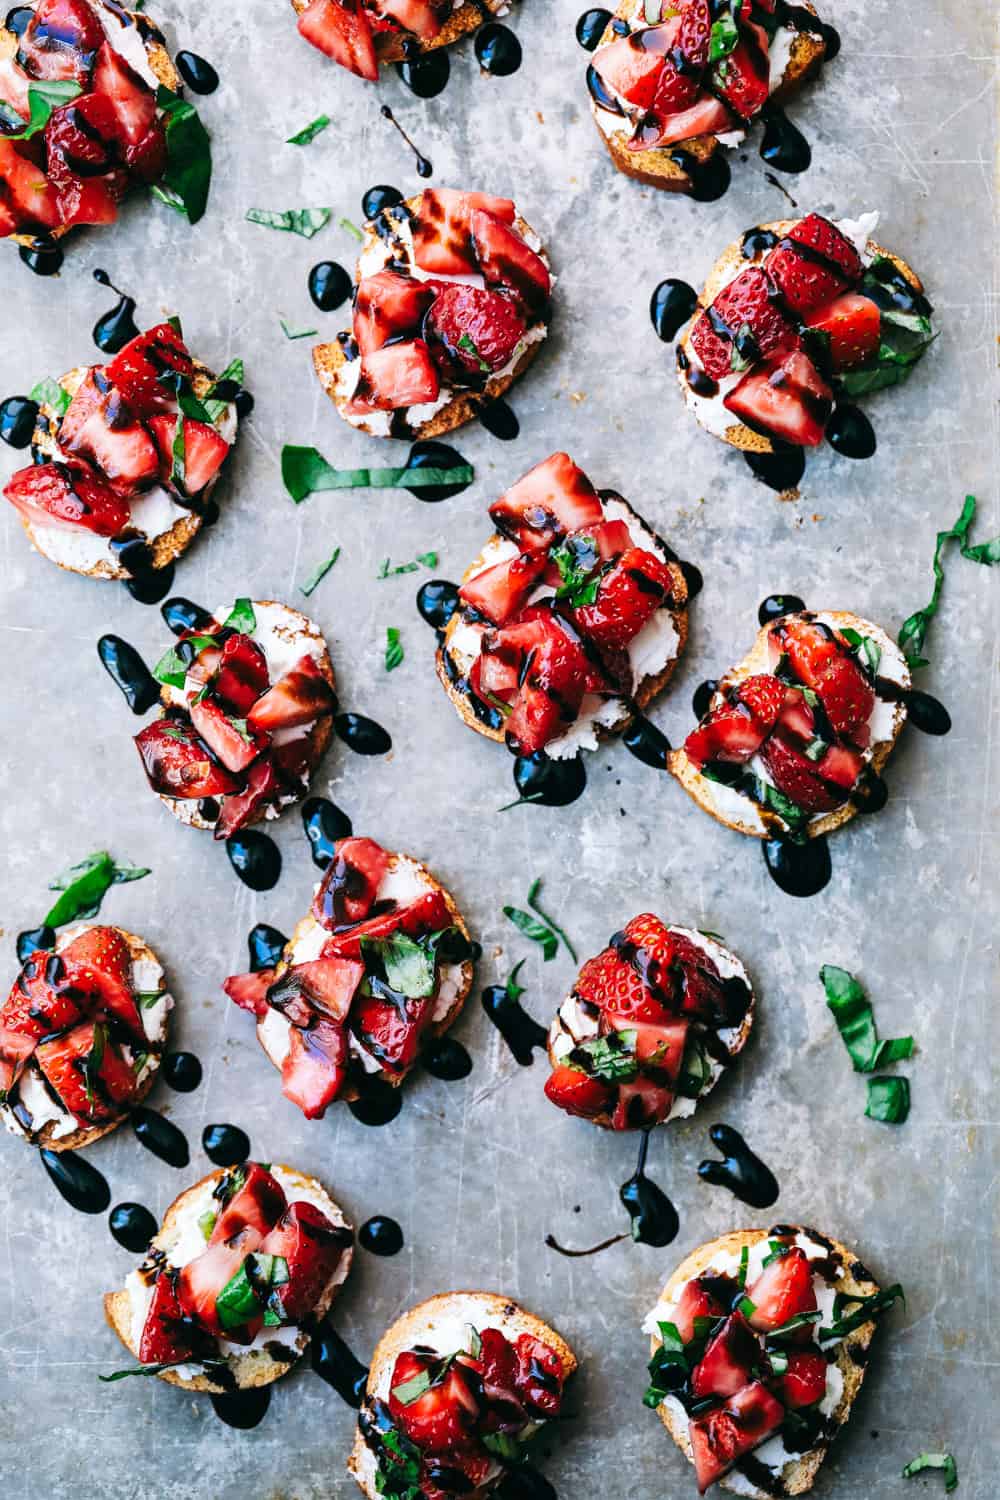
[255,857]
[160,1136]
[118,326]
[362,735]
[654,1218]
[83,1186]
[133,1226]
[266,945]
[521,1032]
[129,673]
[424,166]
[334,1363]
[225,1145]
[447,1059]
[182,1071]
[799,869]
[244,1409]
[741,1171]
[325,825]
[381,1235]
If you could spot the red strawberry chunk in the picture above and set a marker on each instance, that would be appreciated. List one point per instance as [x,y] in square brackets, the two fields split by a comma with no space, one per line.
[733,731]
[476,331]
[811,276]
[429,913]
[811,648]
[641,1104]
[135,369]
[784,398]
[703,993]
[846,695]
[804,1381]
[92,200]
[764,695]
[659,1046]
[132,100]
[827,240]
[99,962]
[390,1031]
[854,325]
[743,78]
[507,261]
[840,766]
[44,998]
[202,1279]
[249,991]
[114,440]
[350,883]
[500,591]
[722,1436]
[312,1247]
[440,1419]
[341,29]
[205,451]
[579,1094]
[799,778]
[15,1051]
[442,228]
[241,674]
[782,1290]
[315,1068]
[746,303]
[66,1062]
[233,744]
[327,984]
[177,763]
[498,1368]
[258,1202]
[631,65]
[421,17]
[300,697]
[395,376]
[247,806]
[27,199]
[730,1355]
[707,116]
[81,133]
[612,984]
[551,693]
[539,1375]
[60,40]
[67,495]
[627,597]
[389,304]
[165,1338]
[553,499]
[697,1300]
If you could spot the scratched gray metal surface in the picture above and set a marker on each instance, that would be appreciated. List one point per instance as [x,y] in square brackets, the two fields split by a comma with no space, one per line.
[478,1172]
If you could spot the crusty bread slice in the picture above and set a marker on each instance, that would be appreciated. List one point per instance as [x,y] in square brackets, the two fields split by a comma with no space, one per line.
[731,261]
[648,689]
[760,822]
[250,1367]
[851,1353]
[329,359]
[657,168]
[396,46]
[160,61]
[164,548]
[308,925]
[420,1326]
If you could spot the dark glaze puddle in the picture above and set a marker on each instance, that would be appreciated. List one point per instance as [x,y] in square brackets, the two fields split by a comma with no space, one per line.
[498,50]
[670,306]
[780,470]
[437,601]
[525,1483]
[381,1235]
[266,945]
[180,614]
[256,859]
[83,1186]
[426,76]
[133,1226]
[703,695]
[430,454]
[36,937]
[783,147]
[379,1103]
[776,605]
[850,433]
[799,869]
[148,586]
[742,1172]
[553,783]
[447,1059]
[521,1032]
[591,27]
[160,1136]
[244,1410]
[329,285]
[182,1071]
[225,1145]
[118,326]
[129,673]
[18,415]
[381,196]
[362,735]
[334,1363]
[654,1218]
[199,75]
[499,419]
[647,743]
[325,824]
[424,166]
[43,255]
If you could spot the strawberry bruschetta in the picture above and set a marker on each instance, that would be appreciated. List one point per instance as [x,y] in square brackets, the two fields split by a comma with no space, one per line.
[797,734]
[245,1263]
[649,1027]
[799,316]
[672,84]
[572,617]
[362,34]
[451,306]
[126,456]
[81,1036]
[458,1388]
[382,963]
[760,1341]
[248,703]
[98,87]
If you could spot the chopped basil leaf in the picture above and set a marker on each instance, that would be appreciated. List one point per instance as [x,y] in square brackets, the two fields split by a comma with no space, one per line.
[308,132]
[237,1303]
[393,649]
[867,651]
[746,1307]
[903,339]
[296,333]
[778,1361]
[241,618]
[171,669]
[175,323]
[49,392]
[272,1318]
[856,1022]
[398,1471]
[535,887]
[142,1370]
[412,1390]
[777,1250]
[515,990]
[303,221]
[234,373]
[739,355]
[206,1223]
[816,749]
[468,347]
[800,1320]
[505,1447]
[578,561]
[43,97]
[867,1308]
[611,1058]
[178,453]
[304,471]
[473,1343]
[741,1279]
[408,965]
[911,637]
[350,228]
[695,1068]
[724,39]
[146,999]
[668,1368]
[429,560]
[82,887]
[316,577]
[888,1099]
[189,157]
[942,1461]
[790,812]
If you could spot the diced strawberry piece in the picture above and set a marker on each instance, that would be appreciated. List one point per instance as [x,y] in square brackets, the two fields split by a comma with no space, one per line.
[854,325]
[553,499]
[300,697]
[440,1419]
[659,1045]
[804,1381]
[236,747]
[579,1094]
[177,763]
[397,375]
[249,991]
[703,993]
[641,1104]
[539,1375]
[389,304]
[81,132]
[420,17]
[428,913]
[463,1466]
[498,1368]
[507,261]
[786,398]
[112,438]
[551,692]
[350,883]
[743,78]
[764,695]
[746,303]
[722,1436]
[25,190]
[811,648]
[136,369]
[165,1337]
[390,1031]
[258,1202]
[501,590]
[67,495]
[312,1247]
[496,670]
[15,1050]
[475,331]
[631,65]
[60,40]
[729,732]
[205,451]
[730,1355]
[846,695]
[697,1300]
[44,998]
[610,983]
[64,1061]
[442,228]
[810,277]
[262,788]
[132,101]
[707,116]
[315,1067]
[99,961]
[802,779]
[627,596]
[341,29]
[611,538]
[329,984]
[241,675]
[796,717]
[202,1279]
[90,200]
[782,1290]
[840,766]
[822,236]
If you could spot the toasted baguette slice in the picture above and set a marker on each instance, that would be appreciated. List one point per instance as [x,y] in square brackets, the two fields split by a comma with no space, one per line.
[658,168]
[306,941]
[84,1135]
[441,1322]
[649,688]
[165,548]
[729,264]
[798,1475]
[330,359]
[249,1367]
[739,812]
[734,1039]
[403,46]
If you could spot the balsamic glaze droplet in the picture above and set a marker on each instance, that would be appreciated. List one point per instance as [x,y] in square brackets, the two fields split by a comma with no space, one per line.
[266,945]
[36,937]
[926,713]
[226,1145]
[831,37]
[709,179]
[19,19]
[647,743]
[429,454]
[703,695]
[783,147]
[755,241]
[850,433]
[670,306]
[426,76]
[799,869]
[329,285]
[869,793]
[776,605]
[381,1235]
[161,1136]
[780,470]
[129,672]
[382,195]
[256,859]
[180,614]
[325,824]
[447,1059]
[148,586]
[498,50]
[379,1104]
[182,1071]
[692,577]
[437,601]
[43,256]
[591,26]
[334,1363]
[424,166]
[525,1483]
[245,1409]
[654,1218]
[499,419]
[521,1032]
[18,415]
[198,74]
[553,783]
[741,1172]
[133,1226]
[362,735]
[118,326]
[83,1186]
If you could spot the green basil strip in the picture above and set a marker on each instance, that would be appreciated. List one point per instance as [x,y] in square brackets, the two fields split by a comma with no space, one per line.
[867,1309]
[856,1022]
[170,668]
[319,573]
[308,132]
[83,888]
[911,636]
[189,156]
[43,97]
[942,1461]
[513,989]
[412,1390]
[536,886]
[303,221]
[297,333]
[888,1100]
[611,1058]
[533,929]
[234,372]
[746,1307]
[393,649]
[304,472]
[741,1279]
[801,1320]
[49,392]
[241,618]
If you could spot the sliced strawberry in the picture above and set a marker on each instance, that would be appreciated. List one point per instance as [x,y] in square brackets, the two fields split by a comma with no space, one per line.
[764,695]
[136,369]
[611,538]
[300,697]
[389,305]
[463,1466]
[25,192]
[205,451]
[631,65]
[15,1050]
[439,1420]
[442,228]
[802,779]
[390,1029]
[703,993]
[699,1299]
[813,264]
[99,961]
[60,41]
[499,591]
[113,439]
[804,1380]
[258,1202]
[85,200]
[729,732]
[341,29]
[396,376]
[315,1068]
[745,304]
[249,991]
[552,689]
[473,330]
[421,17]
[782,1290]
[785,398]
[823,237]
[507,261]
[811,648]
[627,596]
[659,1046]
[81,133]
[64,1060]
[177,763]
[641,1104]
[723,1436]
[797,717]
[707,116]
[743,78]
[539,1375]
[132,101]
[202,1279]
[165,1337]
[854,325]
[610,983]
[498,1368]
[311,1247]
[429,913]
[241,674]
[230,742]
[579,1094]
[553,499]
[326,984]
[846,694]
[262,790]
[67,495]
[729,1357]
[840,766]
[44,998]
[350,883]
